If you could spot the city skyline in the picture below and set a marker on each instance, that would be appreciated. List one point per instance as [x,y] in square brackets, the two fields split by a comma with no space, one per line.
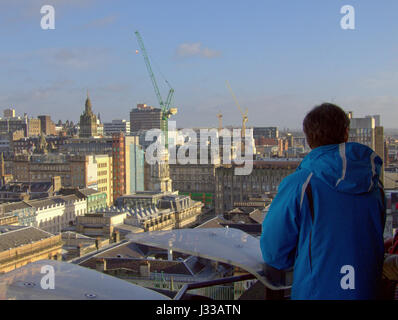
[280,58]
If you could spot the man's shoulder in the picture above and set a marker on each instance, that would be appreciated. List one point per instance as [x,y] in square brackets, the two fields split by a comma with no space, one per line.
[297,178]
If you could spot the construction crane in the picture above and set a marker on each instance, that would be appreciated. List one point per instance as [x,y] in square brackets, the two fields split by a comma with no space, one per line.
[244,115]
[164,106]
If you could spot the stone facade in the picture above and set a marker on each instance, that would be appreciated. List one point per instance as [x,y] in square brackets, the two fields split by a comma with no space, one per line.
[22,245]
[265,177]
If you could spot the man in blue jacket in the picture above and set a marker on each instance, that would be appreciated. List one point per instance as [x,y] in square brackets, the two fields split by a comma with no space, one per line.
[327,219]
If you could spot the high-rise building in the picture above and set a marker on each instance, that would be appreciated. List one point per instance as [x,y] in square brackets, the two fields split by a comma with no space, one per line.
[88,121]
[368,131]
[128,165]
[135,158]
[46,125]
[145,118]
[34,127]
[119,165]
[105,176]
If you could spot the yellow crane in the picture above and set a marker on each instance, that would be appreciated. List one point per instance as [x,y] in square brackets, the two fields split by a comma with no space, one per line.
[244,115]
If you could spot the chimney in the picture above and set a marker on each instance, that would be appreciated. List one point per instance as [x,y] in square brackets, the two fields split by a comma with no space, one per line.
[116,236]
[97,243]
[79,250]
[100,265]
[56,183]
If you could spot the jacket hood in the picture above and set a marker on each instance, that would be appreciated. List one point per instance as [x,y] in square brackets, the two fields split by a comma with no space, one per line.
[348,167]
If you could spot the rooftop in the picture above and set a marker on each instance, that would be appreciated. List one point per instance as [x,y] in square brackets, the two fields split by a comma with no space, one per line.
[88,191]
[12,237]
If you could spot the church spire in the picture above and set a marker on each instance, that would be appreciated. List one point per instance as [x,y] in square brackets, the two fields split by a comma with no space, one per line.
[88,104]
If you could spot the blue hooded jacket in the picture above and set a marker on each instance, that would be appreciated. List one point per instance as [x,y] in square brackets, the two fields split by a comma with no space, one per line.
[344,242]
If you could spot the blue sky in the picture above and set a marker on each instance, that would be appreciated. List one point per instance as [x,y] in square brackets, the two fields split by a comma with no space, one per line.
[281,58]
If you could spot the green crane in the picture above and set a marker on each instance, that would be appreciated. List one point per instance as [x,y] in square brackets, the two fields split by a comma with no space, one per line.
[164,106]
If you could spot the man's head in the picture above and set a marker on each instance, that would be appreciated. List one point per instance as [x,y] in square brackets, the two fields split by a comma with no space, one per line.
[326,124]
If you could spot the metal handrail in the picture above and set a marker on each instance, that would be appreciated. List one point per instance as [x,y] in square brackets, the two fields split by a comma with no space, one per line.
[210,283]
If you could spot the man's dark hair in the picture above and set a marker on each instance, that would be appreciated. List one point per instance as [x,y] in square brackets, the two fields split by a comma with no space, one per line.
[326,124]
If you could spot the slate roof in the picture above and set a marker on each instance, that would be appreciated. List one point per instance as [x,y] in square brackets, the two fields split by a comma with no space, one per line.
[258,216]
[88,191]
[213,223]
[16,237]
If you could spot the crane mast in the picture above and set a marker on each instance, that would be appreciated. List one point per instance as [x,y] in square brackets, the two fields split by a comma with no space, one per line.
[164,106]
[149,68]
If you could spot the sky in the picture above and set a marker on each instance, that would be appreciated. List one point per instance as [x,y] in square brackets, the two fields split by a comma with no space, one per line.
[281,58]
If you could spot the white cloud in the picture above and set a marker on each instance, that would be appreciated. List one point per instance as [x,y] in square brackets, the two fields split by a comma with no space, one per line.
[196,49]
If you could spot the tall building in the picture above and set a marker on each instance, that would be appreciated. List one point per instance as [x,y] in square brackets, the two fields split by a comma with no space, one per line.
[128,165]
[135,158]
[46,125]
[88,121]
[368,131]
[105,176]
[34,127]
[145,118]
[119,165]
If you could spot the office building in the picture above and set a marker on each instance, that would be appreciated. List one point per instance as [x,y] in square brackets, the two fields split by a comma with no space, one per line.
[128,165]
[368,131]
[47,127]
[34,127]
[265,177]
[14,124]
[116,126]
[145,118]
[105,176]
[78,171]
[266,132]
